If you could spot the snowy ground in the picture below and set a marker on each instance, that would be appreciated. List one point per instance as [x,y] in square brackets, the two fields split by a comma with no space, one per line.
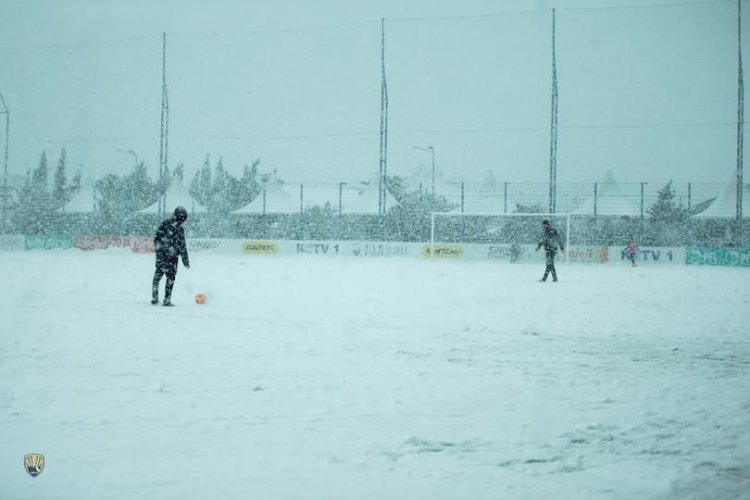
[313,378]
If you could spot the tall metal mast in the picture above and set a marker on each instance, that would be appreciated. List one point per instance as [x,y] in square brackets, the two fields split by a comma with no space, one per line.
[553,128]
[740,126]
[383,171]
[5,112]
[163,143]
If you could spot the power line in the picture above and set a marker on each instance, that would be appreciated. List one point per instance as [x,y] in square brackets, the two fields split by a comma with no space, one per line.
[648,6]
[302,29]
[79,44]
[536,11]
[299,29]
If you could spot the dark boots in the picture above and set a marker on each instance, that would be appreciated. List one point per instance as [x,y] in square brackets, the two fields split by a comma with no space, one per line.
[155,287]
[547,270]
[168,292]
[167,289]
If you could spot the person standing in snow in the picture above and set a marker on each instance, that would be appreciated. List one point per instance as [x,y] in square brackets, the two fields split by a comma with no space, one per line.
[169,244]
[551,240]
[632,251]
[515,252]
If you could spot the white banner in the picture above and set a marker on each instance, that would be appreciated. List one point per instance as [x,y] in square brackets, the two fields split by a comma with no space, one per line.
[649,256]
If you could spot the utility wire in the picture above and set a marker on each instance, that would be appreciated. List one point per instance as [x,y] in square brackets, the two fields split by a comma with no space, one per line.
[302,29]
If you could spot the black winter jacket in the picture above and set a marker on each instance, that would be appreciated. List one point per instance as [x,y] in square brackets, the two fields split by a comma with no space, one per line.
[169,242]
[551,240]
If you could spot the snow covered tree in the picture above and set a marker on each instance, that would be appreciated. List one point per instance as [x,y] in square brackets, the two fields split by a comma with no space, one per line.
[179,171]
[120,197]
[58,188]
[200,187]
[221,192]
[37,202]
[219,185]
[62,192]
[39,176]
[250,173]
[665,209]
[36,195]
[667,218]
[410,219]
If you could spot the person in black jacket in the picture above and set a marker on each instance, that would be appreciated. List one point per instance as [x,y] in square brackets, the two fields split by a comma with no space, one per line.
[550,241]
[169,244]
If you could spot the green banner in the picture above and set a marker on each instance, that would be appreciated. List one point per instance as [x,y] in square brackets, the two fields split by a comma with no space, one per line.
[48,242]
[734,257]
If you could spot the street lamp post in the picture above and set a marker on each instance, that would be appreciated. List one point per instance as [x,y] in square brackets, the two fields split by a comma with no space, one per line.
[640,235]
[431,150]
[129,152]
[341,195]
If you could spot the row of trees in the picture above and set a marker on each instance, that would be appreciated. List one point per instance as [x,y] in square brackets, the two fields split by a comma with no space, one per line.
[222,193]
[121,196]
[37,198]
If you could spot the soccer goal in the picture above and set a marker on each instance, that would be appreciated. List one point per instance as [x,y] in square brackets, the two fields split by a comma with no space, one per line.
[507,227]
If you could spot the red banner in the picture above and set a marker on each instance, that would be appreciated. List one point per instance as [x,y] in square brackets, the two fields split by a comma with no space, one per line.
[138,244]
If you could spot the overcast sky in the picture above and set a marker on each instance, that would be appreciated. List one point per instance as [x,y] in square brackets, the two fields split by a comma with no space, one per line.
[647,90]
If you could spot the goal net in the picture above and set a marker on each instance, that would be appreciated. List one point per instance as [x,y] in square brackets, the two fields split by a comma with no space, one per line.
[504,228]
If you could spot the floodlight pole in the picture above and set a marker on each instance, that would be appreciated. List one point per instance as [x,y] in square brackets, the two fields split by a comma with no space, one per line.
[164,138]
[738,240]
[640,231]
[432,235]
[383,164]
[553,129]
[431,150]
[341,195]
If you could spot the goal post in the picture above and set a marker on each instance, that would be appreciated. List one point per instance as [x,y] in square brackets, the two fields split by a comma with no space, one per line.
[558,220]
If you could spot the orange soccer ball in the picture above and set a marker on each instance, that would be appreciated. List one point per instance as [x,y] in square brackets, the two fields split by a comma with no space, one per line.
[200,299]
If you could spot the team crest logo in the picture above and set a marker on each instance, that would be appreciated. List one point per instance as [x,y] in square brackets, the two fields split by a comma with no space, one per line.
[34,464]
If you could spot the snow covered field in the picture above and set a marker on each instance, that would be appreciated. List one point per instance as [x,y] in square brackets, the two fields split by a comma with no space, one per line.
[316,378]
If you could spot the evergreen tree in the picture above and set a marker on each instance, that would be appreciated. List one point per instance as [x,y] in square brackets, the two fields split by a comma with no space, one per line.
[221,192]
[250,173]
[36,195]
[179,171]
[411,217]
[120,197]
[58,190]
[200,187]
[39,176]
[38,203]
[667,219]
[219,189]
[665,209]
[62,192]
